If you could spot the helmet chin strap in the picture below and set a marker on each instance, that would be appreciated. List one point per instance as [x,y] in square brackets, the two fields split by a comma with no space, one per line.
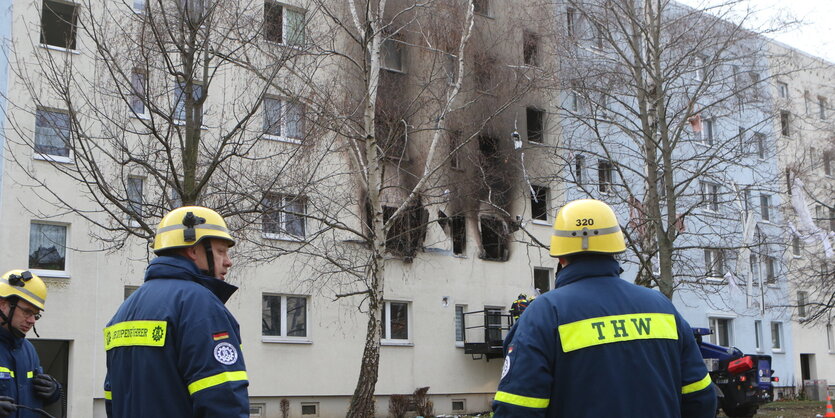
[210,257]
[7,321]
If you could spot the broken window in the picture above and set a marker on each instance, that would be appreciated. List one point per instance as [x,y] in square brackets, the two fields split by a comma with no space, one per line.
[459,234]
[542,279]
[604,176]
[539,203]
[58,24]
[406,234]
[494,237]
[530,48]
[536,121]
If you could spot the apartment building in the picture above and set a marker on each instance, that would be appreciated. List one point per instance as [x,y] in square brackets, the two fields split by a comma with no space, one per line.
[93,74]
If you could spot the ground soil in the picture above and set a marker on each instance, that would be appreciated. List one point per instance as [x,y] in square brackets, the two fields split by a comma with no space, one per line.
[791,409]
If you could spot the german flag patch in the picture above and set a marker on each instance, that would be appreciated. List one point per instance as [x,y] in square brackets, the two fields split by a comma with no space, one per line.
[220,336]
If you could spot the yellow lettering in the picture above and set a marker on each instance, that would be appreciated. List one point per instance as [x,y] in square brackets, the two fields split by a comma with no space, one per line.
[593,331]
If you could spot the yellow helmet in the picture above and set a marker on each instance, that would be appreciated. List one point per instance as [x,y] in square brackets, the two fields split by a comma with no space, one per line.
[187,226]
[25,285]
[586,226]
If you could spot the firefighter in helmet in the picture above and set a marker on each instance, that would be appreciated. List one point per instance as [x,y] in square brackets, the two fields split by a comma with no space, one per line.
[22,380]
[518,306]
[173,349]
[598,345]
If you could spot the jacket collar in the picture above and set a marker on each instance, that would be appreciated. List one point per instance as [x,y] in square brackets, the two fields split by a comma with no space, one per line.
[588,266]
[7,338]
[181,268]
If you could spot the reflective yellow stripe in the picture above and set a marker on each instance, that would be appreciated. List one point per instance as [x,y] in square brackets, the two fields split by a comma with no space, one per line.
[9,371]
[30,374]
[215,380]
[129,333]
[617,328]
[695,387]
[108,395]
[522,400]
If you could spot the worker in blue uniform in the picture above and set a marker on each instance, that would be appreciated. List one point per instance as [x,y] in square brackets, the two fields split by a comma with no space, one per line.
[24,387]
[597,345]
[173,349]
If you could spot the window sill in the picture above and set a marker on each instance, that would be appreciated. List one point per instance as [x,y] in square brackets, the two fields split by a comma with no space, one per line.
[459,344]
[57,274]
[283,44]
[59,49]
[143,116]
[715,280]
[53,158]
[182,122]
[285,340]
[393,70]
[283,139]
[540,222]
[397,343]
[778,351]
[281,237]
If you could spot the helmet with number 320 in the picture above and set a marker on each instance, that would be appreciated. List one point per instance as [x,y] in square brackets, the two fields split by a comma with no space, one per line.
[586,226]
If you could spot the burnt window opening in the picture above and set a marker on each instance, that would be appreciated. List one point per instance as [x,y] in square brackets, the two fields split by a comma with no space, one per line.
[494,239]
[406,235]
[542,279]
[539,203]
[58,24]
[530,48]
[459,234]
[536,123]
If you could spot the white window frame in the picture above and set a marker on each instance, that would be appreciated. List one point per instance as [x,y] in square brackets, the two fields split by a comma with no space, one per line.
[802,300]
[710,196]
[780,341]
[765,207]
[283,337]
[284,201]
[285,114]
[52,273]
[758,335]
[605,186]
[711,255]
[460,324]
[579,168]
[713,322]
[786,129]
[137,92]
[797,246]
[783,89]
[387,324]
[179,116]
[547,196]
[139,212]
[770,265]
[708,133]
[286,24]
[53,157]
[760,143]
[830,339]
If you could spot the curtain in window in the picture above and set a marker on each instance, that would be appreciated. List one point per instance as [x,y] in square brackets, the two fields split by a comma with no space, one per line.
[295,114]
[47,246]
[52,133]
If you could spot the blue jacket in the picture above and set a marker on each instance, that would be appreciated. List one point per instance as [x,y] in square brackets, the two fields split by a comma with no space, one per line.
[599,346]
[18,365]
[174,350]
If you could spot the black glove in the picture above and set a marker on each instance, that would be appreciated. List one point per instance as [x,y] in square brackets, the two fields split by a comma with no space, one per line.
[45,386]
[7,406]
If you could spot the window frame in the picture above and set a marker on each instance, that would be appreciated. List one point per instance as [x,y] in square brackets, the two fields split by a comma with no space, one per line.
[710,190]
[535,114]
[783,89]
[282,336]
[708,133]
[714,262]
[482,8]
[758,335]
[777,344]
[785,123]
[131,203]
[43,272]
[178,115]
[389,45]
[284,201]
[822,107]
[385,318]
[539,198]
[460,325]
[765,207]
[285,25]
[605,176]
[530,49]
[284,121]
[579,168]
[714,325]
[315,406]
[72,45]
[41,114]
[137,93]
[802,300]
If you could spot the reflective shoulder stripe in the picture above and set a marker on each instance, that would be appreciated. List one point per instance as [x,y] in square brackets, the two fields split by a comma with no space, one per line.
[108,395]
[215,380]
[697,386]
[30,374]
[129,333]
[522,400]
[7,370]
[617,328]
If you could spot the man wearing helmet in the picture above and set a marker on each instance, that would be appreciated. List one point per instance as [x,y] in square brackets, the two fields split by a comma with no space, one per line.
[597,345]
[173,349]
[22,381]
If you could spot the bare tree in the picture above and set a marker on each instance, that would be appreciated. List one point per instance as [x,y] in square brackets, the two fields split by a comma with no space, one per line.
[666,114]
